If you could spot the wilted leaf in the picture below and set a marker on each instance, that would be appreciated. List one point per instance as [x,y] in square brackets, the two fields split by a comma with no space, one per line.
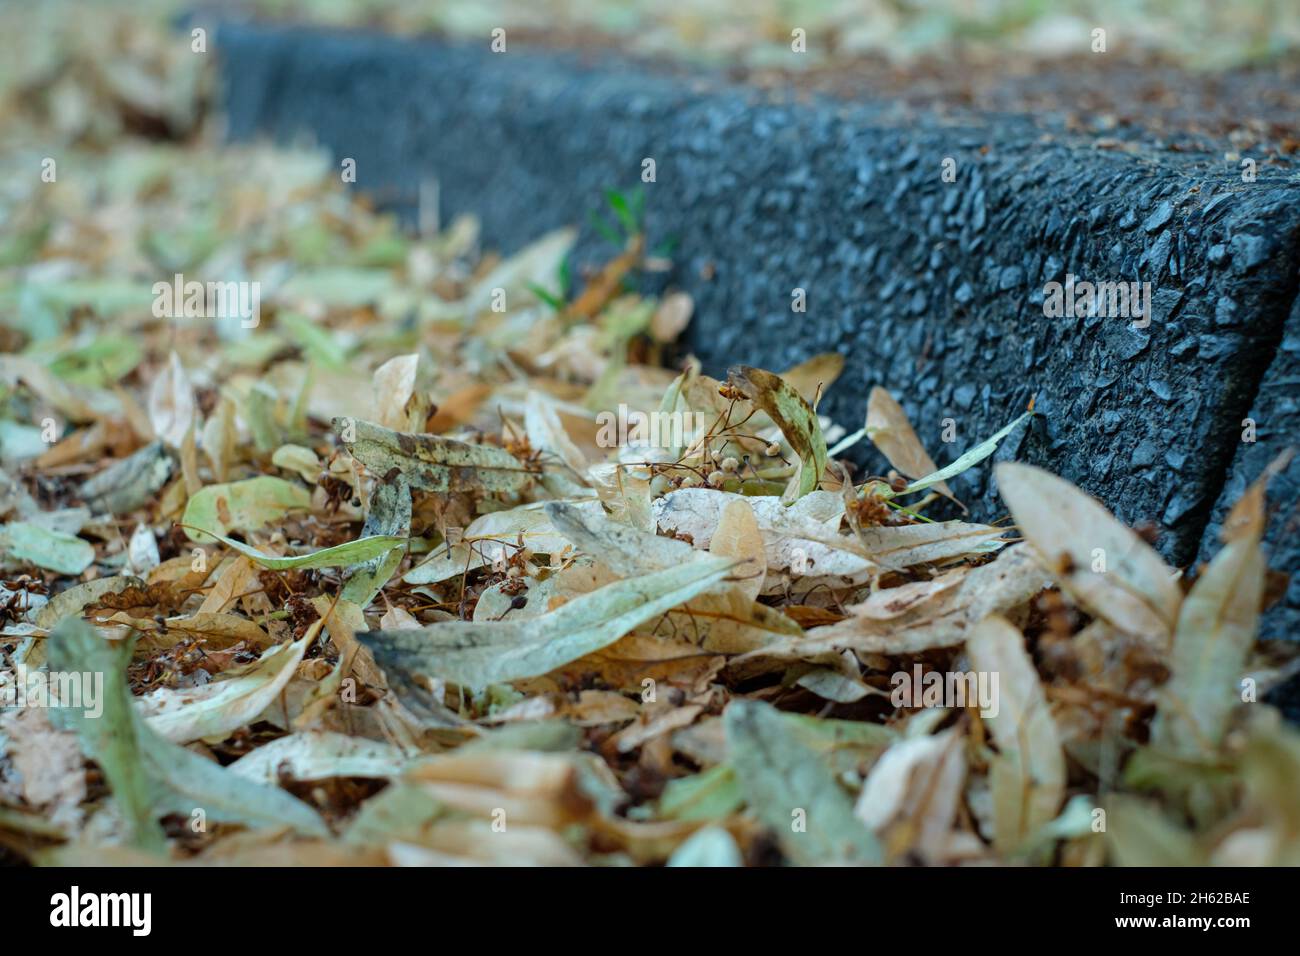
[535,265]
[318,755]
[130,483]
[487,537]
[142,551]
[672,317]
[708,795]
[1138,834]
[213,629]
[936,614]
[738,536]
[74,599]
[726,620]
[565,466]
[431,463]
[627,551]
[911,796]
[967,461]
[794,416]
[389,515]
[622,647]
[150,776]
[394,384]
[301,461]
[108,737]
[812,377]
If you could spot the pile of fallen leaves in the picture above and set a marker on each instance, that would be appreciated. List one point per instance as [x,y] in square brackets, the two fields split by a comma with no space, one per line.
[393,574]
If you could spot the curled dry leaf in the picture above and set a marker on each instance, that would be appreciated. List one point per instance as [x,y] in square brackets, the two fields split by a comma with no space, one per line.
[726,620]
[672,317]
[131,482]
[938,613]
[316,755]
[911,796]
[564,465]
[805,538]
[488,539]
[150,776]
[394,385]
[791,413]
[211,711]
[813,377]
[738,536]
[963,463]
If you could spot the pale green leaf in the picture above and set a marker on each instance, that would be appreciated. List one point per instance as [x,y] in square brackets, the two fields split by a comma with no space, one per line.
[792,789]
[969,460]
[709,846]
[1139,834]
[107,731]
[363,549]
[150,776]
[242,506]
[45,548]
[476,654]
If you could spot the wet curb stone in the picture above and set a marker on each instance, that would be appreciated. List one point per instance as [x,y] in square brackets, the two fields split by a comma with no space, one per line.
[934,289]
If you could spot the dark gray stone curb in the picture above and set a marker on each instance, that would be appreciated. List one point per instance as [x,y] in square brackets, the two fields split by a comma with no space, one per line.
[930,288]
[1275,415]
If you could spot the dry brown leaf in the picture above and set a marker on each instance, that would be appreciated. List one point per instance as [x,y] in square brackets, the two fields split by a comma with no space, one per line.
[890,430]
[1103,565]
[1028,773]
[393,384]
[172,411]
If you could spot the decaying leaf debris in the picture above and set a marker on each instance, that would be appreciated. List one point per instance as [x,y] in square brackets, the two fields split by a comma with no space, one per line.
[365,582]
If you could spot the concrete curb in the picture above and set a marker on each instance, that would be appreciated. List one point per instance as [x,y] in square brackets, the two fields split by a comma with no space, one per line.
[931,288]
[1275,416]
